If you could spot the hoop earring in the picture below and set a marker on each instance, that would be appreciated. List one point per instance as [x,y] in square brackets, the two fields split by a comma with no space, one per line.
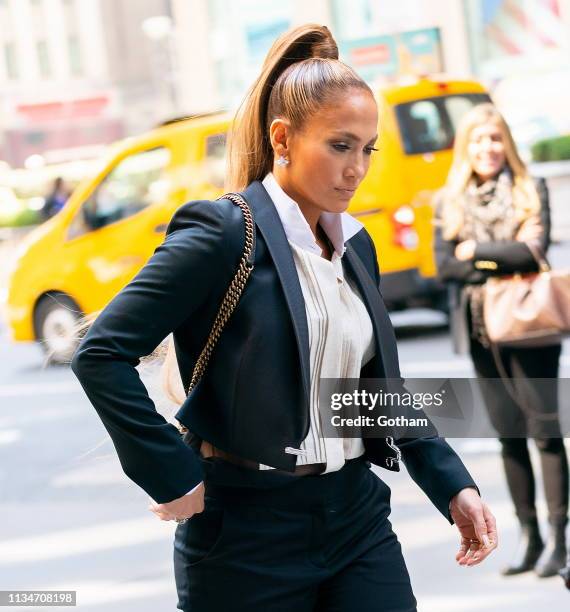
[282,161]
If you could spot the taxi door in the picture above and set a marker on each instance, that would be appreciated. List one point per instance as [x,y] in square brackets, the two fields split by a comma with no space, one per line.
[118,226]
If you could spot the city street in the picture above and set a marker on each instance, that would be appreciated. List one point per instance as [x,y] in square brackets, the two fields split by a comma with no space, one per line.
[69,518]
[115,113]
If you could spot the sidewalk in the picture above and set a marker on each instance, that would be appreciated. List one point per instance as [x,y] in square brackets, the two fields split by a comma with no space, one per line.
[555,169]
[430,543]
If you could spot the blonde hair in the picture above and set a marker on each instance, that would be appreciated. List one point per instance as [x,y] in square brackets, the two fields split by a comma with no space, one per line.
[525,196]
[300,75]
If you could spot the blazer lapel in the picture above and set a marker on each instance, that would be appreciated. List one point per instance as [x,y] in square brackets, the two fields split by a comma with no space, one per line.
[385,363]
[268,221]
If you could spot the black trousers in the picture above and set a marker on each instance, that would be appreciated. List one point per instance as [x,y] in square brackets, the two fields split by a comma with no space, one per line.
[285,543]
[535,415]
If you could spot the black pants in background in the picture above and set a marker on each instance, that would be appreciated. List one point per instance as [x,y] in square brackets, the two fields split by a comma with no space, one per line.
[284,543]
[537,418]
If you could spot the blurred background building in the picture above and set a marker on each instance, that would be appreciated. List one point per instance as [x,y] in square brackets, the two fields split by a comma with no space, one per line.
[76,75]
[518,48]
[57,98]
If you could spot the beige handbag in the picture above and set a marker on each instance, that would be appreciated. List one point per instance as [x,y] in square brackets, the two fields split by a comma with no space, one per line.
[528,310]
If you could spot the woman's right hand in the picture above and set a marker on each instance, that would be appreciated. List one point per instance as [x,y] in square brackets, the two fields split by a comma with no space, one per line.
[183,507]
[465,250]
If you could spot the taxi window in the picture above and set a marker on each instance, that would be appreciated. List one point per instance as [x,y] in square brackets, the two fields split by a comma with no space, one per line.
[133,184]
[429,125]
[215,160]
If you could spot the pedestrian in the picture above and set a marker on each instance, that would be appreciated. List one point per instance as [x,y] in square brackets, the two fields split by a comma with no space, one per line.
[489,212]
[280,517]
[56,198]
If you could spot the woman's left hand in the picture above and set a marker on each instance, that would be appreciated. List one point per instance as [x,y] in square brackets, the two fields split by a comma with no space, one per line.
[182,508]
[465,250]
[477,527]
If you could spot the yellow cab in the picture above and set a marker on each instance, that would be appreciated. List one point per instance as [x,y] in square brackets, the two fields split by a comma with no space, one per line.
[79,259]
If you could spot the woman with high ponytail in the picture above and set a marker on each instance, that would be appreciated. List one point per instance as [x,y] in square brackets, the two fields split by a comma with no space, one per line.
[274,515]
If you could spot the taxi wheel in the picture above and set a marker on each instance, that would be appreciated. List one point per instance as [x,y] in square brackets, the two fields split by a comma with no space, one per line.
[55,320]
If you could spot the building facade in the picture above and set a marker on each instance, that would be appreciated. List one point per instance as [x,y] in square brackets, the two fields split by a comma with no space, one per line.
[53,75]
[76,75]
[221,43]
[518,48]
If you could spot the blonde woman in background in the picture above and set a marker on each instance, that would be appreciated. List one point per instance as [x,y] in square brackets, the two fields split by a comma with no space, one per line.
[488,213]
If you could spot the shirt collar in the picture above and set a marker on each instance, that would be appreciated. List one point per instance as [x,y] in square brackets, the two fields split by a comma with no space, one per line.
[339,227]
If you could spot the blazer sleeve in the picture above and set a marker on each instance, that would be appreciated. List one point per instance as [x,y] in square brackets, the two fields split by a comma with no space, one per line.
[431,462]
[511,256]
[175,282]
[449,268]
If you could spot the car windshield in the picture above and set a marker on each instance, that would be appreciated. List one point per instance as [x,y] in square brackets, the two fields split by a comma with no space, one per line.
[429,125]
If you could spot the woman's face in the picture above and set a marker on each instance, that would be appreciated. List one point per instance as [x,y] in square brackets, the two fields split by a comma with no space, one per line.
[486,150]
[329,156]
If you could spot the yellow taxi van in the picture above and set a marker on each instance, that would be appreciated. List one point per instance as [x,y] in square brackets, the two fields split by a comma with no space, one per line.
[79,259]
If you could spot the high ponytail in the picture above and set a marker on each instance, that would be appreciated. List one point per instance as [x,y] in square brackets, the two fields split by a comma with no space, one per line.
[301,73]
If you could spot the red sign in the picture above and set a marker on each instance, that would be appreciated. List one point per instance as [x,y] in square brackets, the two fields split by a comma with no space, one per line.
[64,109]
[378,54]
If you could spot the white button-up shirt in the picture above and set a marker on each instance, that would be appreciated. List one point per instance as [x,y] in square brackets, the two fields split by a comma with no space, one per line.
[341,339]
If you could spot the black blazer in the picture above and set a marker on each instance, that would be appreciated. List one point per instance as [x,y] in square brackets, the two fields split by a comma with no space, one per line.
[253,398]
[495,258]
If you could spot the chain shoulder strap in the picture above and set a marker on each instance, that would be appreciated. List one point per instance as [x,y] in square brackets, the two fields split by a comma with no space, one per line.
[233,293]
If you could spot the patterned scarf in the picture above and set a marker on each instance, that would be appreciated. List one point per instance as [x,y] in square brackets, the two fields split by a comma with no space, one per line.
[489,215]
[488,210]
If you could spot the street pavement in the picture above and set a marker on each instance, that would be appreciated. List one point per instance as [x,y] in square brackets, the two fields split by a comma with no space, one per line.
[70,519]
[560,197]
